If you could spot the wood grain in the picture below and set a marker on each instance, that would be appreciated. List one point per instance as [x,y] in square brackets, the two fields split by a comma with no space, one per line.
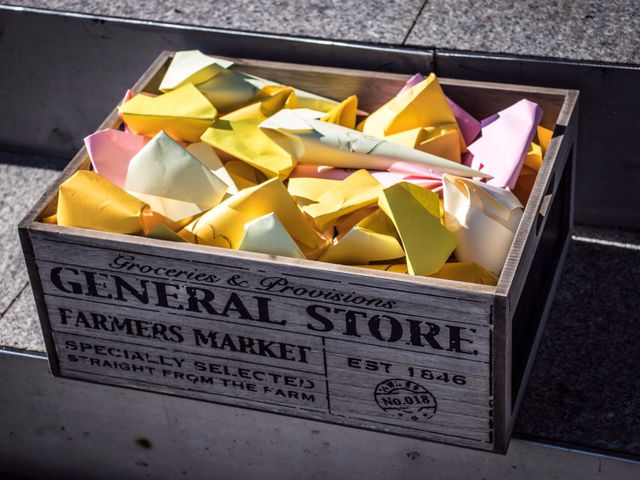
[327,342]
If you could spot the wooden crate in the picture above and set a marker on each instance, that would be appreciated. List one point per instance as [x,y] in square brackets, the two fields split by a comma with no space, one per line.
[433,359]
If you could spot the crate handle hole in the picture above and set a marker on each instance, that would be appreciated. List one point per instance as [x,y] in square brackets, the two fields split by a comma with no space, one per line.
[545,204]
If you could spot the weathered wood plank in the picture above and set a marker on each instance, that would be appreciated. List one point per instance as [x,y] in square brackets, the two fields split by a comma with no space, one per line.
[109,320]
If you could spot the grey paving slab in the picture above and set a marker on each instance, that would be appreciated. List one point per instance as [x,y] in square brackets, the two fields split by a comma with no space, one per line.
[584,387]
[23,178]
[377,21]
[578,30]
[19,326]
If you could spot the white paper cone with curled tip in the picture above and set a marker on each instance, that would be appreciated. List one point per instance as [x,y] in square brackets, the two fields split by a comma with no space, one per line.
[183,185]
[266,234]
[309,140]
[483,219]
[191,66]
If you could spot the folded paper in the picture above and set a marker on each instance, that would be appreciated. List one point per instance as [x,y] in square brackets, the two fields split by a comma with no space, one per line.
[533,158]
[346,222]
[191,66]
[128,96]
[111,151]
[162,232]
[182,185]
[528,174]
[51,219]
[267,101]
[413,81]
[532,163]
[183,113]
[304,98]
[266,234]
[466,272]
[370,240]
[227,159]
[227,220]
[243,174]
[422,105]
[231,90]
[309,190]
[388,179]
[316,142]
[152,219]
[356,191]
[320,171]
[208,157]
[483,219]
[244,141]
[87,200]
[544,138]
[525,183]
[415,212]
[228,90]
[458,271]
[505,140]
[344,113]
[469,126]
[441,142]
[398,172]
[393,267]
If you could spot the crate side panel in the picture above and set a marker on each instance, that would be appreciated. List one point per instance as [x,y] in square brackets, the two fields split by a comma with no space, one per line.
[372,353]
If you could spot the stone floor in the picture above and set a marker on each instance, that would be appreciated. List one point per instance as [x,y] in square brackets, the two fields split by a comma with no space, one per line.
[23,179]
[578,30]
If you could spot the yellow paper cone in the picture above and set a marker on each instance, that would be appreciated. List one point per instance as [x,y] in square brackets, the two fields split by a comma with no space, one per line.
[344,113]
[372,239]
[183,113]
[415,212]
[440,141]
[228,219]
[191,66]
[245,141]
[162,232]
[87,200]
[308,190]
[423,105]
[544,137]
[243,174]
[269,100]
[357,191]
[267,235]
